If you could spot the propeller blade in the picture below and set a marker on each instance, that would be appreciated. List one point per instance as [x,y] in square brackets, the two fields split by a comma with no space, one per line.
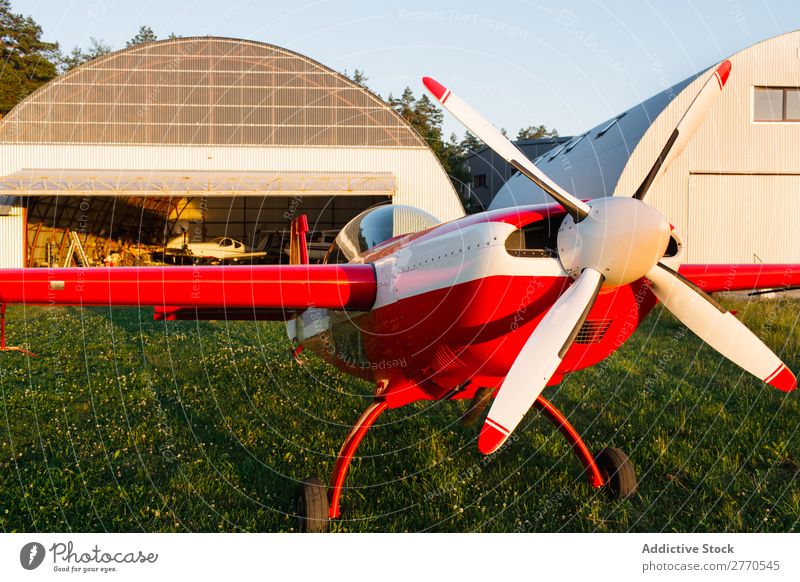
[686,127]
[719,328]
[486,132]
[538,360]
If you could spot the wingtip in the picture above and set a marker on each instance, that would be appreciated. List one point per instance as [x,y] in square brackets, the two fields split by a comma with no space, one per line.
[723,70]
[783,379]
[490,439]
[434,87]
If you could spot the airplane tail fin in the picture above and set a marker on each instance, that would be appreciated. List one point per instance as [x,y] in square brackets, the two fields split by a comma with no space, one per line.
[298,250]
[261,244]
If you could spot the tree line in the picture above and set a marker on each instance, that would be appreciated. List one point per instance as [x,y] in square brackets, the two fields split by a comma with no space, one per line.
[28,62]
[427,119]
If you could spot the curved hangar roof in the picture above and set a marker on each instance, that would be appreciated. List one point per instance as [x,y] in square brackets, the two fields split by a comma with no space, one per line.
[613,158]
[590,164]
[204,91]
[741,167]
[209,109]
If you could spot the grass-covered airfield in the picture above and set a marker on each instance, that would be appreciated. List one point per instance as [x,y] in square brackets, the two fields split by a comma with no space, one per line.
[126,424]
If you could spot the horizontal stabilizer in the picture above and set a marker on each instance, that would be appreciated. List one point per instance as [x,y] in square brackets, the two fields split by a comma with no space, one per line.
[742,277]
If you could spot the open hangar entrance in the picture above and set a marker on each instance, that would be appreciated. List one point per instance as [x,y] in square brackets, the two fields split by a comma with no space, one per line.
[136,216]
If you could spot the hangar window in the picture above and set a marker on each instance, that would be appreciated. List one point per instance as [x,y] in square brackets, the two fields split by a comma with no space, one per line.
[776,104]
[608,126]
[571,145]
[479,181]
[793,104]
[555,153]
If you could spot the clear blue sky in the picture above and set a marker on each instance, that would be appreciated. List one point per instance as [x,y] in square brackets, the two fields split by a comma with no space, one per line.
[569,65]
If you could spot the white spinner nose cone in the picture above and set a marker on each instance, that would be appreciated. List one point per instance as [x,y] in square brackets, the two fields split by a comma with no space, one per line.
[623,238]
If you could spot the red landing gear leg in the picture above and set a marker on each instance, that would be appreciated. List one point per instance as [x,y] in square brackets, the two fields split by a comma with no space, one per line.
[610,467]
[316,503]
[354,438]
[3,346]
[554,415]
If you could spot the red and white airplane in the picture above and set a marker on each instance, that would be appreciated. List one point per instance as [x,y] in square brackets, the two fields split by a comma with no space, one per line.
[499,304]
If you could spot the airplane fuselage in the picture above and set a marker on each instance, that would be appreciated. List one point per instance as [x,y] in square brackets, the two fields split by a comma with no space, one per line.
[455,305]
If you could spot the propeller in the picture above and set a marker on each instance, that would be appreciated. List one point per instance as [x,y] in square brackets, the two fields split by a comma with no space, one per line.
[716,326]
[539,359]
[487,133]
[610,242]
[686,127]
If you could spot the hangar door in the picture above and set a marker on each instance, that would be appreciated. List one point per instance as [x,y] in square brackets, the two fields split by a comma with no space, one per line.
[741,218]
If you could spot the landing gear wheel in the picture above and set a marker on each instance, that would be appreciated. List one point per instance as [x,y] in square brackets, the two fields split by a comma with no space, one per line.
[312,506]
[617,471]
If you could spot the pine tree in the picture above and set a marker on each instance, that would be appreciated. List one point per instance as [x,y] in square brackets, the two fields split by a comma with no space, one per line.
[144,35]
[427,119]
[536,132]
[26,61]
[404,105]
[359,78]
[470,143]
[78,56]
[456,158]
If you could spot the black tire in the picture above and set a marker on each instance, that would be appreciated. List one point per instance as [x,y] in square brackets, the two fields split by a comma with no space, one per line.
[312,506]
[617,471]
[476,407]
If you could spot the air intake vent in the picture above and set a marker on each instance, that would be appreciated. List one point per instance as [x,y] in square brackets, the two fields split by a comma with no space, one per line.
[445,359]
[593,331]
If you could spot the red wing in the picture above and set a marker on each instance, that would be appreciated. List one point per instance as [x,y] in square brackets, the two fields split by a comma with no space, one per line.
[742,277]
[264,289]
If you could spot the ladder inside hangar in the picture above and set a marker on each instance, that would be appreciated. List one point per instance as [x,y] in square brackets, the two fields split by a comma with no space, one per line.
[76,250]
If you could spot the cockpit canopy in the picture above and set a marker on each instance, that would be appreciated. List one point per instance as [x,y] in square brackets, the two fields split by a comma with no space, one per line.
[376,226]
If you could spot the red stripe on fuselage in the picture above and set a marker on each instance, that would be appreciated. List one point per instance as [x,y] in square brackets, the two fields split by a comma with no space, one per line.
[484,324]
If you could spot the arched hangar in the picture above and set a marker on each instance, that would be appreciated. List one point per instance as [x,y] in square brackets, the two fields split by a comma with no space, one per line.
[212,136]
[734,194]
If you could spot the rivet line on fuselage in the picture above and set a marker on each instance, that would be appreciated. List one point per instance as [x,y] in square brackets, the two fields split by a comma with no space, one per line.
[439,258]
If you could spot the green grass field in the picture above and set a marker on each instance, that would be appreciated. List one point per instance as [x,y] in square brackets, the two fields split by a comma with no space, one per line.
[126,424]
